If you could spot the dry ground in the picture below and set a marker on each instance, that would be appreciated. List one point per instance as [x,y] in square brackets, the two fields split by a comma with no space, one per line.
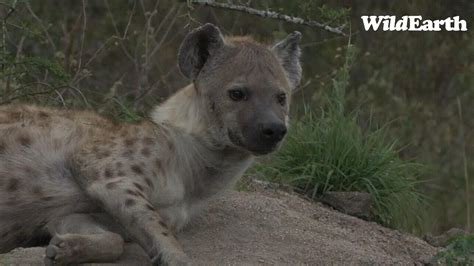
[276,227]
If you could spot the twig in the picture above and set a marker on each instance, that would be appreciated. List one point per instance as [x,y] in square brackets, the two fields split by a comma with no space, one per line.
[466,174]
[69,37]
[45,30]
[129,21]
[84,26]
[165,34]
[117,33]
[61,98]
[162,22]
[26,95]
[4,44]
[268,14]
[19,48]
[102,47]
[11,9]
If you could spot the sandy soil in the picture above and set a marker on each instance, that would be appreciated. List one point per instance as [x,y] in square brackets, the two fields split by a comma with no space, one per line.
[276,227]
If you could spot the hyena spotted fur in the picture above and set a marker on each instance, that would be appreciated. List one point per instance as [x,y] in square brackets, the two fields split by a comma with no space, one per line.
[85,183]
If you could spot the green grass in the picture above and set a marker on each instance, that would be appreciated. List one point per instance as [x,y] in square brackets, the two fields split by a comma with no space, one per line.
[460,251]
[331,152]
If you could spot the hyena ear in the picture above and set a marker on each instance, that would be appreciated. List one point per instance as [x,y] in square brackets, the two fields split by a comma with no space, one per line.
[288,52]
[197,47]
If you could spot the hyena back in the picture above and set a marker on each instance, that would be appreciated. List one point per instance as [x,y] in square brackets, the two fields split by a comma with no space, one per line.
[88,183]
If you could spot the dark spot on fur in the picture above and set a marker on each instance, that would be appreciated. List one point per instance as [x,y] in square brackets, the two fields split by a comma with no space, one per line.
[213,106]
[103,154]
[128,154]
[138,186]
[43,115]
[150,207]
[162,223]
[3,147]
[140,194]
[165,233]
[137,169]
[158,164]
[131,192]
[108,173]
[120,173]
[118,164]
[133,220]
[13,184]
[170,146]
[149,182]
[146,152]
[15,115]
[48,198]
[93,175]
[110,144]
[129,142]
[123,133]
[29,171]
[37,191]
[148,141]
[24,140]
[111,185]
[129,202]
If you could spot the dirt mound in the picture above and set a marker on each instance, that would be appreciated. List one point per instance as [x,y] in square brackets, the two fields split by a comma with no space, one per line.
[275,227]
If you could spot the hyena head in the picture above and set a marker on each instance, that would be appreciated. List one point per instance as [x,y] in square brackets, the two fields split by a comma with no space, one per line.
[245,87]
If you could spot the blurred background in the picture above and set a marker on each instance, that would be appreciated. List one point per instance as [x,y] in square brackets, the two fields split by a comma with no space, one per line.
[411,91]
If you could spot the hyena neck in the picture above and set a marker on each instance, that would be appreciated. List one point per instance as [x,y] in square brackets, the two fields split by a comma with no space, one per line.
[183,111]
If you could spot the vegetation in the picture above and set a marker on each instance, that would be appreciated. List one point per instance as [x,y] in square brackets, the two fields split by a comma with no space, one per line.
[460,251]
[332,152]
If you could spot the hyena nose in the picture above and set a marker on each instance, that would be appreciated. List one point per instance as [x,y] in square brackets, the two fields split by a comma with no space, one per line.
[273,132]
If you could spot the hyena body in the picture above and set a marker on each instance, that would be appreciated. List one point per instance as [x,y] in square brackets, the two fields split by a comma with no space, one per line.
[89,182]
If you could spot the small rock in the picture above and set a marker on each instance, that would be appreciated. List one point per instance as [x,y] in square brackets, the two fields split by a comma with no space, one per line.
[444,239]
[357,204]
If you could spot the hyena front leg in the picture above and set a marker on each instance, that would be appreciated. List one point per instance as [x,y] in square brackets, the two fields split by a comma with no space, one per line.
[78,238]
[125,200]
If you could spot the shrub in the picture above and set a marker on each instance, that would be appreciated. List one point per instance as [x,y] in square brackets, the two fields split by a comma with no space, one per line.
[460,251]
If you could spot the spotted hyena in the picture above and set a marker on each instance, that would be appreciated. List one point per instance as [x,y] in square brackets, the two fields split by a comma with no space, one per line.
[88,183]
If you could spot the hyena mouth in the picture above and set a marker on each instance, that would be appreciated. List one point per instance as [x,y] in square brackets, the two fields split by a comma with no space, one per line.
[256,149]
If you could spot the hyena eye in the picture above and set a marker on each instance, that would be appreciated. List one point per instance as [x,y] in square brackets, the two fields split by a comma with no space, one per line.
[281,98]
[237,95]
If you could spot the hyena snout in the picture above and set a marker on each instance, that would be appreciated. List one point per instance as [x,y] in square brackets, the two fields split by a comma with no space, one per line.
[273,132]
[265,137]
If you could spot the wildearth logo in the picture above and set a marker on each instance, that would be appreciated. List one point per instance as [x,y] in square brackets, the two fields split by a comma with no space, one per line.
[413,23]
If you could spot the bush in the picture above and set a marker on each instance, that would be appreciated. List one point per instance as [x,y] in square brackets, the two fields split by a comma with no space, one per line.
[331,152]
[460,251]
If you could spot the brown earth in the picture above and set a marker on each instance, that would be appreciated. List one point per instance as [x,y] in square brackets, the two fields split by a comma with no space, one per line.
[275,227]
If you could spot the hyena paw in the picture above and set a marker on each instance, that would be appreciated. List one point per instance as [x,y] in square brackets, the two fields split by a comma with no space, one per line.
[62,250]
[171,260]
